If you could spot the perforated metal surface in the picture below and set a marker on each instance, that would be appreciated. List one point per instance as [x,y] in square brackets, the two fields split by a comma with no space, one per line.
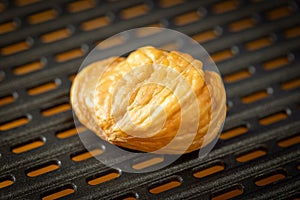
[256,45]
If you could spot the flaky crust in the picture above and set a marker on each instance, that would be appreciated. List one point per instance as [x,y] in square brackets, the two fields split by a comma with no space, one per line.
[127,97]
[82,92]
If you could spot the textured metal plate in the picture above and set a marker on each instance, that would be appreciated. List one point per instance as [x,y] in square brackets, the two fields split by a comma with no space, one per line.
[255,44]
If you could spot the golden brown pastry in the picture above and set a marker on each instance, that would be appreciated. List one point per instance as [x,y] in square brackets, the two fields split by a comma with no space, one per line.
[82,92]
[154,101]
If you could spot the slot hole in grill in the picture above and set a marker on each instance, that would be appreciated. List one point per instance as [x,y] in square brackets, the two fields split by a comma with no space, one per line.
[206,36]
[290,141]
[59,192]
[130,196]
[2,7]
[43,169]
[148,163]
[255,97]
[43,88]
[25,2]
[170,3]
[2,75]
[15,48]
[115,41]
[229,193]
[134,11]
[188,18]
[95,23]
[56,35]
[169,46]
[276,63]
[70,132]
[273,118]
[104,177]
[6,181]
[225,6]
[56,109]
[7,27]
[43,16]
[270,178]
[80,5]
[146,32]
[234,132]
[251,155]
[28,68]
[29,145]
[200,173]
[14,123]
[69,55]
[242,24]
[6,100]
[237,76]
[278,13]
[165,186]
[222,55]
[291,84]
[292,32]
[259,43]
[81,156]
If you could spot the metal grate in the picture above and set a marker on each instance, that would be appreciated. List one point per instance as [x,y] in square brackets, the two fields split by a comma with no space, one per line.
[256,45]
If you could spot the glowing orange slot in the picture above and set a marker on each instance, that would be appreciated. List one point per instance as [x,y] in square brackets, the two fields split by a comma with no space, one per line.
[251,155]
[164,187]
[135,11]
[42,16]
[81,5]
[209,171]
[104,178]
[148,163]
[95,23]
[188,18]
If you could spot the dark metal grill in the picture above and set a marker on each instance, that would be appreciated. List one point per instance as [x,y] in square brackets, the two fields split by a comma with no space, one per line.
[256,45]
